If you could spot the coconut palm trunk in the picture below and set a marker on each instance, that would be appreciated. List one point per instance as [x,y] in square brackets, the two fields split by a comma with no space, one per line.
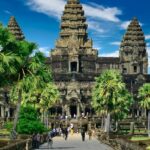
[149,123]
[107,123]
[13,134]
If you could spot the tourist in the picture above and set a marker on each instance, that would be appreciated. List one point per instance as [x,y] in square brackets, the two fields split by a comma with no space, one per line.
[66,117]
[66,133]
[34,140]
[38,140]
[83,134]
[49,141]
[74,116]
[90,134]
[42,139]
[71,128]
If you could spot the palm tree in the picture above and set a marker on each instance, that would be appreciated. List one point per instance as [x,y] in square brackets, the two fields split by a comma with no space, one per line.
[22,73]
[49,96]
[28,80]
[144,95]
[110,97]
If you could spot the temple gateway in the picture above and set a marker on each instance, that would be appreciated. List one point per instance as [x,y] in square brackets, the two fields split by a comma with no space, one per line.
[75,63]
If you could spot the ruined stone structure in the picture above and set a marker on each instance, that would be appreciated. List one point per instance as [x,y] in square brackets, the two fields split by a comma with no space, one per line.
[133,55]
[75,63]
[15,29]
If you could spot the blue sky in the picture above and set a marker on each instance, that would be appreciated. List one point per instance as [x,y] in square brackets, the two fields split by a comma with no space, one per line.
[107,20]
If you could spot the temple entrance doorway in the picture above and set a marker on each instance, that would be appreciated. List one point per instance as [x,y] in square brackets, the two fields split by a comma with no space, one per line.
[73,110]
[73,66]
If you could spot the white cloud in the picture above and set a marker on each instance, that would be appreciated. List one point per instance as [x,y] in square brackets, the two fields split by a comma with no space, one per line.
[125,24]
[45,50]
[7,12]
[55,8]
[94,12]
[94,25]
[117,43]
[51,8]
[112,54]
[148,44]
[101,12]
[147,37]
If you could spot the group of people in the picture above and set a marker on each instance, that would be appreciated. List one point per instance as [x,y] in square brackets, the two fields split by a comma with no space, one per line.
[38,139]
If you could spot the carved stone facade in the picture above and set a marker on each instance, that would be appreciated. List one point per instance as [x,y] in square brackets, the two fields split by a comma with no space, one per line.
[15,29]
[133,55]
[75,63]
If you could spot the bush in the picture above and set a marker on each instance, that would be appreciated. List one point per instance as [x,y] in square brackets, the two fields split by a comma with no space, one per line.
[8,125]
[29,122]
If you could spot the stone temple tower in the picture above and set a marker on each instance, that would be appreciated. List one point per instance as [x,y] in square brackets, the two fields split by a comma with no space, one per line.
[133,55]
[15,29]
[73,44]
[73,60]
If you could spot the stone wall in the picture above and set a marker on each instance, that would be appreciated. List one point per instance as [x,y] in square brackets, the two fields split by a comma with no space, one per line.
[19,145]
[118,143]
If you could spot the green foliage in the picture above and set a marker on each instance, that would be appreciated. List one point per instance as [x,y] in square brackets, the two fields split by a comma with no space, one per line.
[26,76]
[8,125]
[110,95]
[49,96]
[144,95]
[29,122]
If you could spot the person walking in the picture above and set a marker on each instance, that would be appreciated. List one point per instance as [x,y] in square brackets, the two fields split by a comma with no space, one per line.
[49,141]
[38,139]
[90,134]
[66,133]
[34,140]
[83,134]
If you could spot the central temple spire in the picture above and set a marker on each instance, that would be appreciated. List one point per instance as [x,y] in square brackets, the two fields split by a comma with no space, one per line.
[73,1]
[73,22]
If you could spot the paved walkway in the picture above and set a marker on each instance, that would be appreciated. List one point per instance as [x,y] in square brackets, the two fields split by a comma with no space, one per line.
[74,142]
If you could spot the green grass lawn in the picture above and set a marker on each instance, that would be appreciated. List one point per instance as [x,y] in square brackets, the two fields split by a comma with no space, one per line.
[145,140]
[4,132]
[148,148]
[139,138]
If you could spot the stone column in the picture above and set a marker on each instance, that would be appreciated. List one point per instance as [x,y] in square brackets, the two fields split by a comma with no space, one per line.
[78,110]
[77,66]
[68,110]
[69,66]
[8,112]
[138,113]
[63,111]
[2,112]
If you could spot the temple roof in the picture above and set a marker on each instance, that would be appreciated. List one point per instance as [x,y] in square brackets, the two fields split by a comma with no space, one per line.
[108,60]
[73,21]
[134,37]
[15,29]
[73,1]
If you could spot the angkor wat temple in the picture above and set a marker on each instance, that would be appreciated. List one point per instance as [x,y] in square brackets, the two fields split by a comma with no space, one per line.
[75,63]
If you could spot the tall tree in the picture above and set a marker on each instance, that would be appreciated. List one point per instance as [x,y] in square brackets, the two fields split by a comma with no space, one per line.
[19,71]
[33,74]
[9,60]
[144,95]
[110,97]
